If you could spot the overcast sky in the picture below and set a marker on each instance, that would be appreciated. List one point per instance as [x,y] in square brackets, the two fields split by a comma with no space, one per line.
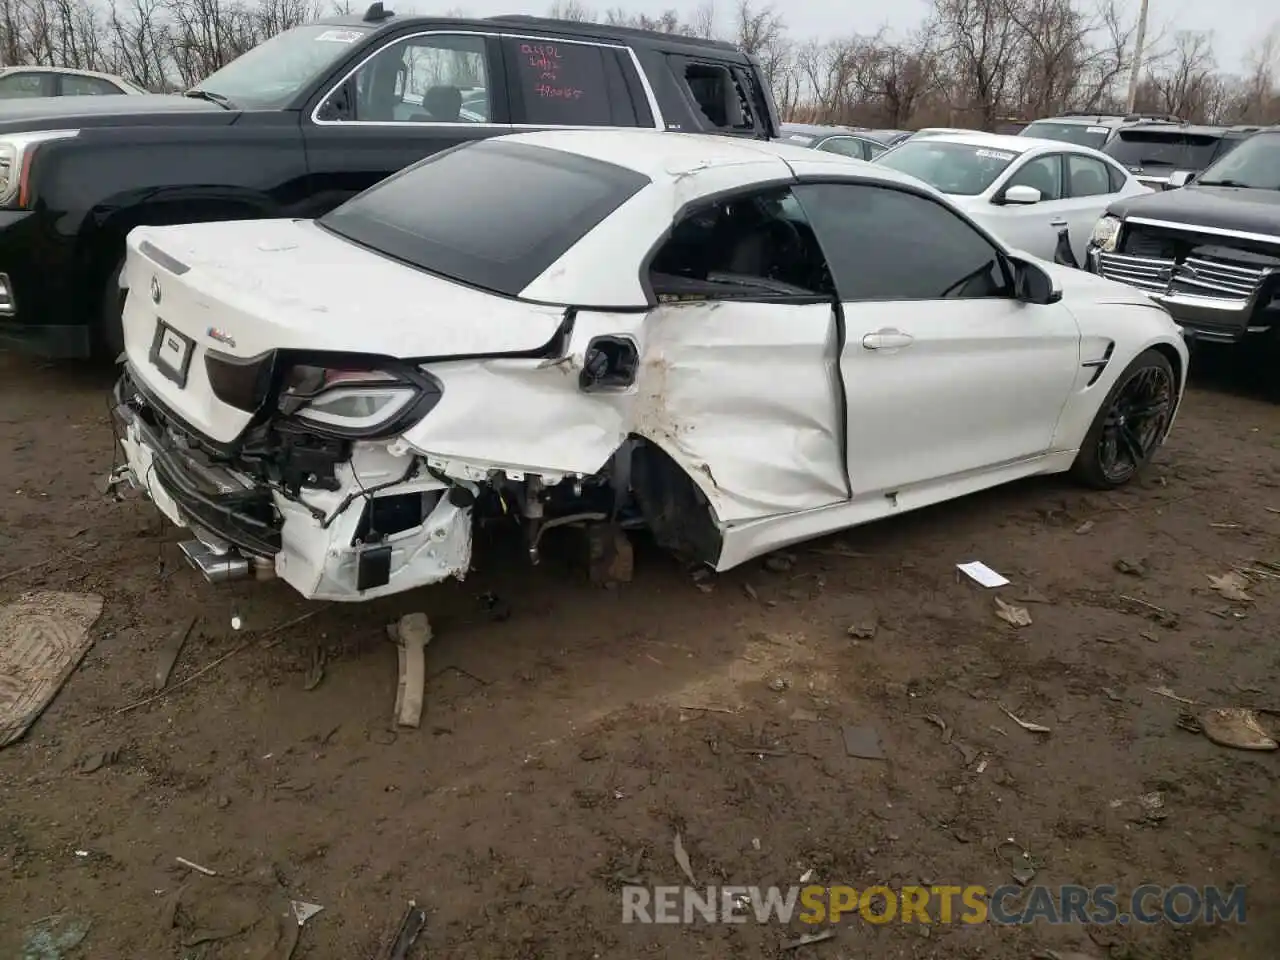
[1236,24]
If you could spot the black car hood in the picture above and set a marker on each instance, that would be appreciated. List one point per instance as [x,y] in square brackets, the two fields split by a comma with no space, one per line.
[1227,208]
[46,113]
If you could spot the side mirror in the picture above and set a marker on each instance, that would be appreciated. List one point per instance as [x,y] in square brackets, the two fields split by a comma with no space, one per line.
[1033,284]
[1180,178]
[1022,196]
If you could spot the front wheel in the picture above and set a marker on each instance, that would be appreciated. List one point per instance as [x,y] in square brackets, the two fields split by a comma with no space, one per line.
[1130,424]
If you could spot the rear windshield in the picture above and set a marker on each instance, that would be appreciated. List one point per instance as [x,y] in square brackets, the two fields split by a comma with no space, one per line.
[488,214]
[1173,150]
[1086,135]
[957,168]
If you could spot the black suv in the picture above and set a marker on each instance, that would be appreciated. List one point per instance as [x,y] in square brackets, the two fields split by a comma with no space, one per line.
[1153,152]
[308,119]
[1209,252]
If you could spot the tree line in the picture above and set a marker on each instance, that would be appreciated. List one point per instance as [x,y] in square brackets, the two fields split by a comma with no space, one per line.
[970,63]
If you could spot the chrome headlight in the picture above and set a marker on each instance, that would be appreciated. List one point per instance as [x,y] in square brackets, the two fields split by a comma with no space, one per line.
[1105,233]
[16,150]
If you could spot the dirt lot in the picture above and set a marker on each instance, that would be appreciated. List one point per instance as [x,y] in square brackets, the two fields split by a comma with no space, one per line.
[560,751]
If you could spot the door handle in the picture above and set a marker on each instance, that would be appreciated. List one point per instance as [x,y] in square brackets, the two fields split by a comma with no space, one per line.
[887,339]
[1059,222]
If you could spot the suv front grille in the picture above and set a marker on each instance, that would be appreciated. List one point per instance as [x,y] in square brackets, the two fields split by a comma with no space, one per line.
[1183,263]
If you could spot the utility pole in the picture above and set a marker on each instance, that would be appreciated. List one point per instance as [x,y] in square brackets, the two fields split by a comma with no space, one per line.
[1139,39]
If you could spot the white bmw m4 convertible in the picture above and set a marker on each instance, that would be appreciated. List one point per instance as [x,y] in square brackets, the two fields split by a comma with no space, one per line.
[734,344]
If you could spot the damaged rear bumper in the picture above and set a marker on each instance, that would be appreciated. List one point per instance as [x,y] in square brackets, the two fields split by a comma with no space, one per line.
[383,529]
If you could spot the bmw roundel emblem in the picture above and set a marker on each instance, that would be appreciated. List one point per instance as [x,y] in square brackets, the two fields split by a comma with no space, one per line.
[155,290]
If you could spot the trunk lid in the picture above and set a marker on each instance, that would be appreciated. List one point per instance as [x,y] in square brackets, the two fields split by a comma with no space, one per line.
[244,288]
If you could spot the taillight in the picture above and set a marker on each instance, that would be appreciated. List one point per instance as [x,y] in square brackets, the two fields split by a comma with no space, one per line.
[352,403]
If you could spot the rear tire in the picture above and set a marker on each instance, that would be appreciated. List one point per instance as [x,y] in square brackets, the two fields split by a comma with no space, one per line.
[1130,424]
[109,337]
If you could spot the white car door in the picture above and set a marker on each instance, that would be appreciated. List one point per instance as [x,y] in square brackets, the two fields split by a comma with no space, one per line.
[1091,186]
[1032,227]
[945,373]
[738,377]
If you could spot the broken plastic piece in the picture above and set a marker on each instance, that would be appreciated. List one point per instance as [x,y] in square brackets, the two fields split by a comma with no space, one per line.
[415,918]
[413,633]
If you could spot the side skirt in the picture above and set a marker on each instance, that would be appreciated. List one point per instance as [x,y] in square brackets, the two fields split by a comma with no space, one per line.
[744,541]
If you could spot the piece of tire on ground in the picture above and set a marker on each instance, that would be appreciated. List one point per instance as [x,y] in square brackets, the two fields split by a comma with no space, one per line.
[109,337]
[1089,468]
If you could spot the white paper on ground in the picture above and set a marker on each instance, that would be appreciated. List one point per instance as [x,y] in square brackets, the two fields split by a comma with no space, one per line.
[979,571]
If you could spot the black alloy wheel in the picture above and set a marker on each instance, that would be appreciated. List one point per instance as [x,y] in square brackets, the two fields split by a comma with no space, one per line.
[1131,423]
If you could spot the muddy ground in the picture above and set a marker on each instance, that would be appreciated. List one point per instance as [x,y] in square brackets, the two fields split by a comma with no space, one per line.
[570,730]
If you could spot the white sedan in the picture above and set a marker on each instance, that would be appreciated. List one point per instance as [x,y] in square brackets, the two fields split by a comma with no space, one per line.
[1024,190]
[737,345]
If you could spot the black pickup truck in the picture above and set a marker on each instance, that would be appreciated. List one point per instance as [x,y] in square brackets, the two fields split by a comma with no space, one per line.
[307,119]
[1210,252]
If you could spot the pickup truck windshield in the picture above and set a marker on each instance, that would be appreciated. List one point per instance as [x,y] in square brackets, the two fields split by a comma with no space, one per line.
[270,75]
[961,169]
[1177,151]
[488,214]
[1255,164]
[1083,134]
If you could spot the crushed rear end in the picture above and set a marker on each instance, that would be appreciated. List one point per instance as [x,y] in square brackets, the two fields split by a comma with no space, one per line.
[251,418]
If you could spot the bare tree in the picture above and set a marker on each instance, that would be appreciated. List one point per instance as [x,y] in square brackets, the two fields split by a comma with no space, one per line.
[1187,85]
[984,45]
[570,10]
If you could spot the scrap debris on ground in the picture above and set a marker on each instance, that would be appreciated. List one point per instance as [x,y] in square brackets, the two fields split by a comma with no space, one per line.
[214,772]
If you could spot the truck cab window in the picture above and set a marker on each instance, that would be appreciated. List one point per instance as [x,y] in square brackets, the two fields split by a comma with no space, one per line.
[720,96]
[557,83]
[433,78]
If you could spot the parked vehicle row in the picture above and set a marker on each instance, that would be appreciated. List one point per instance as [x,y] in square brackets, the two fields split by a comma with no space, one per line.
[307,120]
[1025,191]
[23,83]
[856,142]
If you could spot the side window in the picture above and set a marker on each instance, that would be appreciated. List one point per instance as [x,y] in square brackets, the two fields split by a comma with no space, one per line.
[1043,173]
[77,86]
[751,246]
[560,84]
[1087,177]
[437,78]
[721,97]
[1117,177]
[845,146]
[16,86]
[887,244]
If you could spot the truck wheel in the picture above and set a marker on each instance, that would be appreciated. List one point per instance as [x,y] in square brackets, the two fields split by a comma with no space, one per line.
[110,332]
[1130,425]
